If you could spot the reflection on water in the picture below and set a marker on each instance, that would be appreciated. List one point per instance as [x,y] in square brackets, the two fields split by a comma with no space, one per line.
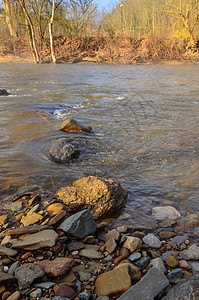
[145,122]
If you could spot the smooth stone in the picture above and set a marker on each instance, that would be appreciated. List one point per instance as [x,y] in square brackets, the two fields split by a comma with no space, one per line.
[31,219]
[73,246]
[142,263]
[175,275]
[132,243]
[122,229]
[24,230]
[34,209]
[90,239]
[134,257]
[35,241]
[71,125]
[134,271]
[85,295]
[6,240]
[36,294]
[113,234]
[100,195]
[165,235]
[184,265]
[148,287]
[5,278]
[27,273]
[92,265]
[7,251]
[44,285]
[179,239]
[188,289]
[13,267]
[110,245]
[84,276]
[79,225]
[124,252]
[163,212]
[152,241]
[172,262]
[191,254]
[91,251]
[15,296]
[158,264]
[68,279]
[55,208]
[63,290]
[63,152]
[194,265]
[57,267]
[110,283]
[78,268]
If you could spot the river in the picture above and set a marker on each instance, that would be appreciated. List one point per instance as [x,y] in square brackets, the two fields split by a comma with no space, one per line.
[145,121]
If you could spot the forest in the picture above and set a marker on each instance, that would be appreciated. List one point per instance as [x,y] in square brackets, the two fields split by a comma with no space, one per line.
[76,30]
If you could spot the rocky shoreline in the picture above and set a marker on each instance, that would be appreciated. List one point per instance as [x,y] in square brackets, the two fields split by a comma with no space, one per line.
[47,252]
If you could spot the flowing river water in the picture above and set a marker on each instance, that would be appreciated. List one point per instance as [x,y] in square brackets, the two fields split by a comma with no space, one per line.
[145,122]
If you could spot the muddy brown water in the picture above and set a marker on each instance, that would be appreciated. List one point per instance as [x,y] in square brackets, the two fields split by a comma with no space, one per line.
[145,122]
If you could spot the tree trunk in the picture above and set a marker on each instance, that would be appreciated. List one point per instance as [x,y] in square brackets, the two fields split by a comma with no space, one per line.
[52,48]
[7,8]
[31,32]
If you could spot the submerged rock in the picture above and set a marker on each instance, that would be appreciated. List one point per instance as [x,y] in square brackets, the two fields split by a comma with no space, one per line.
[163,212]
[63,152]
[71,125]
[3,92]
[100,195]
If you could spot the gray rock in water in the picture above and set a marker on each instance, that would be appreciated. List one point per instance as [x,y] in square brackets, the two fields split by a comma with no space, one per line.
[148,287]
[191,254]
[3,92]
[27,273]
[63,152]
[79,225]
[188,289]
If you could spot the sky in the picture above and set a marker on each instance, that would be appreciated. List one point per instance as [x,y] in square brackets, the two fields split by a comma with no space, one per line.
[106,4]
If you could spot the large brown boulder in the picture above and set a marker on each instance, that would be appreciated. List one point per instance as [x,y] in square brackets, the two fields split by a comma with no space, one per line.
[100,195]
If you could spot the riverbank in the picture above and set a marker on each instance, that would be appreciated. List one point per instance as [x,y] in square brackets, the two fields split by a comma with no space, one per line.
[47,252]
[117,50]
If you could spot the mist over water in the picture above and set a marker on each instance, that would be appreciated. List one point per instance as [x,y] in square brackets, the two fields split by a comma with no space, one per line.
[145,122]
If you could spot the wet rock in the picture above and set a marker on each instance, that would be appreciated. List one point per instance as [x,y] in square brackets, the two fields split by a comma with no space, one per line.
[134,257]
[71,125]
[75,246]
[110,245]
[132,243]
[63,290]
[5,278]
[100,195]
[63,152]
[36,294]
[165,235]
[158,264]
[142,263]
[163,212]
[152,241]
[175,275]
[7,251]
[27,273]
[91,251]
[188,289]
[15,296]
[172,262]
[31,219]
[111,283]
[85,295]
[148,287]
[3,92]
[56,267]
[191,254]
[79,225]
[45,238]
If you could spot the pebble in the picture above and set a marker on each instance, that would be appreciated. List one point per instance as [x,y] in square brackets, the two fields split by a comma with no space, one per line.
[36,294]
[132,243]
[15,296]
[85,295]
[184,264]
[152,241]
[158,263]
[64,291]
[175,275]
[124,252]
[134,257]
[165,212]
[142,263]
[172,262]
